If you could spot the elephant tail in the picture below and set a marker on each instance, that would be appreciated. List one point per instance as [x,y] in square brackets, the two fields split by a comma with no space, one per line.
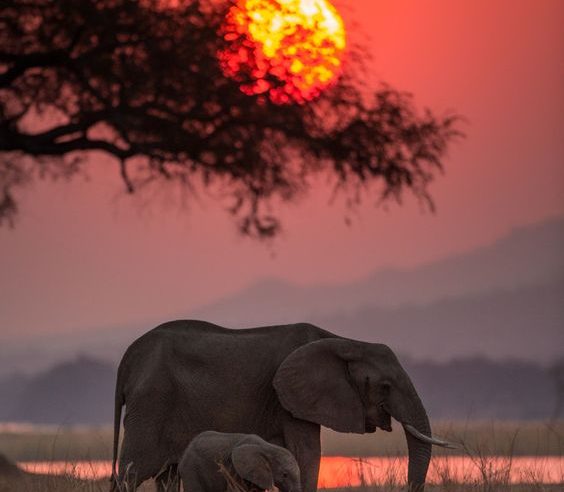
[119,402]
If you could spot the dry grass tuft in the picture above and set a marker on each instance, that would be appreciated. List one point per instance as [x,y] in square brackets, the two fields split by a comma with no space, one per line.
[233,482]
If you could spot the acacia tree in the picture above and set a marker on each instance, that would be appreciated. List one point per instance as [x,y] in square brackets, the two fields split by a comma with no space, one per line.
[141,82]
[557,374]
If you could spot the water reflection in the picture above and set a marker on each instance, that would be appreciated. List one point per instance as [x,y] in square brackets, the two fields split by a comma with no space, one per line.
[338,471]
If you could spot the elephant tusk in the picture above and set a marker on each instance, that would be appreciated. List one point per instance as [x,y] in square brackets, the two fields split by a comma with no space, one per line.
[429,440]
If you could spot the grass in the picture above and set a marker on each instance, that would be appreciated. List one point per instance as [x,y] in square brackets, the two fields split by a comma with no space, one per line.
[459,488]
[491,438]
[494,438]
[483,442]
[51,443]
[71,484]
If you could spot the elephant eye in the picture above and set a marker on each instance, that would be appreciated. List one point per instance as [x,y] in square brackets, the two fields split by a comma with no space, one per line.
[385,387]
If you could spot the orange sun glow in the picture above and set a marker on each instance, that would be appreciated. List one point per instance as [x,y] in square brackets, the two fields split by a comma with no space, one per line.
[289,50]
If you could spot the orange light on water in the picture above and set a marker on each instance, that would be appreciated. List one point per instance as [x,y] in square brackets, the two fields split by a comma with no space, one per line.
[289,50]
[336,471]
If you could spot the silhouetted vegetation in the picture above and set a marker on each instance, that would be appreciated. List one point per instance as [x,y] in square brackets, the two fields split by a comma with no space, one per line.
[140,82]
[557,373]
[30,443]
[81,392]
[478,388]
[478,473]
[73,392]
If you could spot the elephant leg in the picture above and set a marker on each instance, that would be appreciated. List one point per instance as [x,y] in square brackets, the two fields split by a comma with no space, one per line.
[140,459]
[114,485]
[168,480]
[303,440]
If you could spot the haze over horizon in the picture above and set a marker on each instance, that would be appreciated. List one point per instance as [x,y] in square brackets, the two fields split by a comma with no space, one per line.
[492,302]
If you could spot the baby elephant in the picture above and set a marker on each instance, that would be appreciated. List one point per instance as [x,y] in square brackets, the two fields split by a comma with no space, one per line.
[246,456]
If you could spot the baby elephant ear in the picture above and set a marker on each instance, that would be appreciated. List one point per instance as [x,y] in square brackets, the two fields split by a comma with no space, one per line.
[251,465]
[313,383]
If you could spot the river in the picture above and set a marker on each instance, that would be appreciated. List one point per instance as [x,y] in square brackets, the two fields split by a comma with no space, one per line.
[338,471]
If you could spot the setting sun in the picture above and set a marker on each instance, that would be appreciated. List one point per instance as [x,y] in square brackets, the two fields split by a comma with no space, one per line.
[290,50]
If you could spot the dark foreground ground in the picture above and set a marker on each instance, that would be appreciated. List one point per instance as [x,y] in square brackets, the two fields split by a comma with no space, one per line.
[14,479]
[69,484]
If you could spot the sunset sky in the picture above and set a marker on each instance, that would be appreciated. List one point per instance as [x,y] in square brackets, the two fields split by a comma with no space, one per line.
[85,256]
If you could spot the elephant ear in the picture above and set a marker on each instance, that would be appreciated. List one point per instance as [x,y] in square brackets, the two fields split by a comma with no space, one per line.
[313,383]
[251,465]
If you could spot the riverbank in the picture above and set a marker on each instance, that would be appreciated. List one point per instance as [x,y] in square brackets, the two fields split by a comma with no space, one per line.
[55,443]
[340,471]
[70,484]
[493,456]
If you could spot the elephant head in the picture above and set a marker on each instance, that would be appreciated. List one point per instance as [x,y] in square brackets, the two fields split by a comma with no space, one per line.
[352,386]
[266,466]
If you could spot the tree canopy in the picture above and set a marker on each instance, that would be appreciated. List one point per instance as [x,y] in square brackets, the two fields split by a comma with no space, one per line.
[140,81]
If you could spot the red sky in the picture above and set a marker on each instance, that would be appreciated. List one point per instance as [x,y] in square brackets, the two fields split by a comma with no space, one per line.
[83,255]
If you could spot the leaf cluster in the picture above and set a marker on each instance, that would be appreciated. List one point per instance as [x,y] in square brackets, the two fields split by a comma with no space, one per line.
[139,80]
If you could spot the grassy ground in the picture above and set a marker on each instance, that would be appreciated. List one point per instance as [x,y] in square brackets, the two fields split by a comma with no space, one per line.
[492,438]
[56,443]
[479,439]
[69,484]
[479,487]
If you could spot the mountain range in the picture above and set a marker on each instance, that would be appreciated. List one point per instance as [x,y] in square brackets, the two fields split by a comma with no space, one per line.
[503,301]
[527,256]
[81,391]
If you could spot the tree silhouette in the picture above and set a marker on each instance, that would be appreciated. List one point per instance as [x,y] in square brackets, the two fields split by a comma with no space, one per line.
[139,80]
[557,374]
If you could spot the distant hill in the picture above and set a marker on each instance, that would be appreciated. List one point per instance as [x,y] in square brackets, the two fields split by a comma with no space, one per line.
[477,388]
[526,323]
[74,392]
[81,391]
[528,256]
[12,388]
[503,300]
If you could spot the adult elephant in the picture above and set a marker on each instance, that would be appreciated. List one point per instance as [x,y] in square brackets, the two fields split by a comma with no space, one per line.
[279,382]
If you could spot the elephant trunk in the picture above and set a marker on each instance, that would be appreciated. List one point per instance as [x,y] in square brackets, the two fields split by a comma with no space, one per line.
[419,457]
[419,452]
